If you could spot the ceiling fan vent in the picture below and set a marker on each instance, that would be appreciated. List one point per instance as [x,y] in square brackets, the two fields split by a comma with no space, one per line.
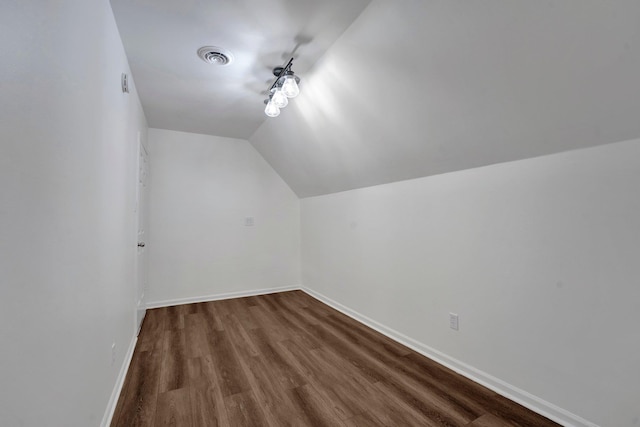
[215,55]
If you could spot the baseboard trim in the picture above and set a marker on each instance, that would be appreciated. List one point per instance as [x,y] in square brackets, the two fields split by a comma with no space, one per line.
[117,389]
[501,387]
[216,297]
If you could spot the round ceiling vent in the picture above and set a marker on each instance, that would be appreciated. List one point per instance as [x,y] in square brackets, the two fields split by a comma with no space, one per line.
[215,55]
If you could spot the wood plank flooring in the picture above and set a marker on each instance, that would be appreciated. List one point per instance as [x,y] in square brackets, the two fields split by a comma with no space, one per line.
[287,359]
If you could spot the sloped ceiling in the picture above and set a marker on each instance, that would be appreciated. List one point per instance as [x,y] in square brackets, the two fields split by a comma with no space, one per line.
[181,92]
[415,88]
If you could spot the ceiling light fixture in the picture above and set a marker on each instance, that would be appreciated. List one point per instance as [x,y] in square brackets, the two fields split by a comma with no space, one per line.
[284,86]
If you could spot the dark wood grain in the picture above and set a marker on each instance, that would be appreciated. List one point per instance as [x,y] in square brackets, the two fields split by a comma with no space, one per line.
[174,373]
[317,410]
[488,420]
[174,408]
[225,363]
[288,360]
[362,420]
[277,407]
[243,410]
[138,401]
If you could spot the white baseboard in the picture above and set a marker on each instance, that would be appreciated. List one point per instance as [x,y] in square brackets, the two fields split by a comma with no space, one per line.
[216,297]
[503,388]
[117,389]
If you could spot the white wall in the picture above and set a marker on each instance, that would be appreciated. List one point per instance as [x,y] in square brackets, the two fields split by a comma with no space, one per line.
[539,257]
[201,189]
[68,139]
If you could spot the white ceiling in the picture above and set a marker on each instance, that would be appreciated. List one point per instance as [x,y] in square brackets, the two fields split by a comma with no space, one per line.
[181,92]
[421,87]
[392,90]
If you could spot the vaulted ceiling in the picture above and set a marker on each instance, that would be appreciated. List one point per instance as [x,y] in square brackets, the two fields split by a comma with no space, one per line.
[181,92]
[412,87]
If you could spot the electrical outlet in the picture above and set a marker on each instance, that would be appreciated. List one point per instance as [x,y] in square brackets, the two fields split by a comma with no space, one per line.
[113,353]
[453,321]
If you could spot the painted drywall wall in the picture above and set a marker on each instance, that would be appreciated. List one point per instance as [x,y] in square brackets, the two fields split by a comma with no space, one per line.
[539,258]
[201,190]
[416,88]
[68,141]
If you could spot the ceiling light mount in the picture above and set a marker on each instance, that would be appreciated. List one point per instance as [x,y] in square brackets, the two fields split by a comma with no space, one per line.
[284,86]
[215,55]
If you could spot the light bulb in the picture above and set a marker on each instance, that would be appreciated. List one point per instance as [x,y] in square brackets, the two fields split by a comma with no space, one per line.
[279,99]
[290,87]
[272,109]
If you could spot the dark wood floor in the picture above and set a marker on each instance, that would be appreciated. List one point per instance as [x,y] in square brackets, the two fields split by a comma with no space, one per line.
[288,360]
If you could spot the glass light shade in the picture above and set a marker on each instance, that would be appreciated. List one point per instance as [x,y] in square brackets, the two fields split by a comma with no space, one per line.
[290,87]
[272,109]
[280,99]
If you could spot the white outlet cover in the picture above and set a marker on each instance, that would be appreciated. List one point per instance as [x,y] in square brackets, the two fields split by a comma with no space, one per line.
[453,321]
